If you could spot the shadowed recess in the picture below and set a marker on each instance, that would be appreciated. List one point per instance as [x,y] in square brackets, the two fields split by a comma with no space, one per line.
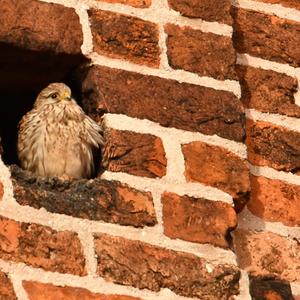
[23,74]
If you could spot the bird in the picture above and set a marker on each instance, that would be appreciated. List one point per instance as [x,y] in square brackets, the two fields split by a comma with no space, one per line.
[56,138]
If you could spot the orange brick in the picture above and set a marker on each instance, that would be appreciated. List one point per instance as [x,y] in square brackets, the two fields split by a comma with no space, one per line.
[217,167]
[266,36]
[98,199]
[42,291]
[273,146]
[41,246]
[6,288]
[268,91]
[286,3]
[204,9]
[134,3]
[264,253]
[167,102]
[204,53]
[134,153]
[197,220]
[126,37]
[270,287]
[275,200]
[145,266]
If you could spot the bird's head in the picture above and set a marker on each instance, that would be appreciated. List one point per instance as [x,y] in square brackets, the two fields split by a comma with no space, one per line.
[54,93]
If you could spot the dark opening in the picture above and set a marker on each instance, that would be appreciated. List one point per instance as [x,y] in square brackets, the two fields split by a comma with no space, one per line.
[23,74]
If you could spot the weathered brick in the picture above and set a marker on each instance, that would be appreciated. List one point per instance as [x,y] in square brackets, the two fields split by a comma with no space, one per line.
[266,36]
[197,219]
[43,291]
[168,102]
[134,153]
[286,3]
[54,27]
[204,53]
[97,199]
[270,287]
[6,288]
[273,146]
[134,3]
[41,246]
[217,167]
[122,36]
[268,91]
[204,9]
[275,200]
[142,265]
[264,253]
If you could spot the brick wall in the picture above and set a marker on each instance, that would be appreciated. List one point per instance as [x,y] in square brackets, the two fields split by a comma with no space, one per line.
[201,192]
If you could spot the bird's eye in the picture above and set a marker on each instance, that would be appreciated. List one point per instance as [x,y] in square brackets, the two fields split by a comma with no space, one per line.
[53,96]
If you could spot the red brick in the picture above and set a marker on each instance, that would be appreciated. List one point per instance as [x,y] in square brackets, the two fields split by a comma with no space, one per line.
[275,200]
[204,9]
[6,288]
[167,102]
[266,36]
[134,3]
[268,91]
[286,3]
[121,36]
[43,291]
[198,220]
[273,146]
[204,53]
[134,153]
[42,247]
[142,265]
[270,287]
[219,167]
[97,199]
[264,253]
[39,26]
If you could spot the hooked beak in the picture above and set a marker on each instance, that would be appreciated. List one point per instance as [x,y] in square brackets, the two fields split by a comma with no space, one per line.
[67,96]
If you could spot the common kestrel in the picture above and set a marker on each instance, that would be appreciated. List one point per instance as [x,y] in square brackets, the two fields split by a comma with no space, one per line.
[56,138]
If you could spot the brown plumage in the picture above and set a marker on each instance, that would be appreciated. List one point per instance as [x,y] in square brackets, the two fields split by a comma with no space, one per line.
[56,138]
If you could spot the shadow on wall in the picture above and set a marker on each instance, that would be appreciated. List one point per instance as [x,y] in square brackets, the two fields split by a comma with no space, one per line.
[23,74]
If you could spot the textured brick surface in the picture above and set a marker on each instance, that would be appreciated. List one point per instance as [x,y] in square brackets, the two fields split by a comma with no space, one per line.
[273,146]
[97,199]
[207,10]
[134,3]
[144,266]
[270,287]
[217,167]
[198,220]
[168,102]
[134,153]
[204,53]
[266,36]
[264,253]
[268,91]
[286,3]
[41,246]
[6,288]
[42,291]
[275,200]
[126,37]
[53,28]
